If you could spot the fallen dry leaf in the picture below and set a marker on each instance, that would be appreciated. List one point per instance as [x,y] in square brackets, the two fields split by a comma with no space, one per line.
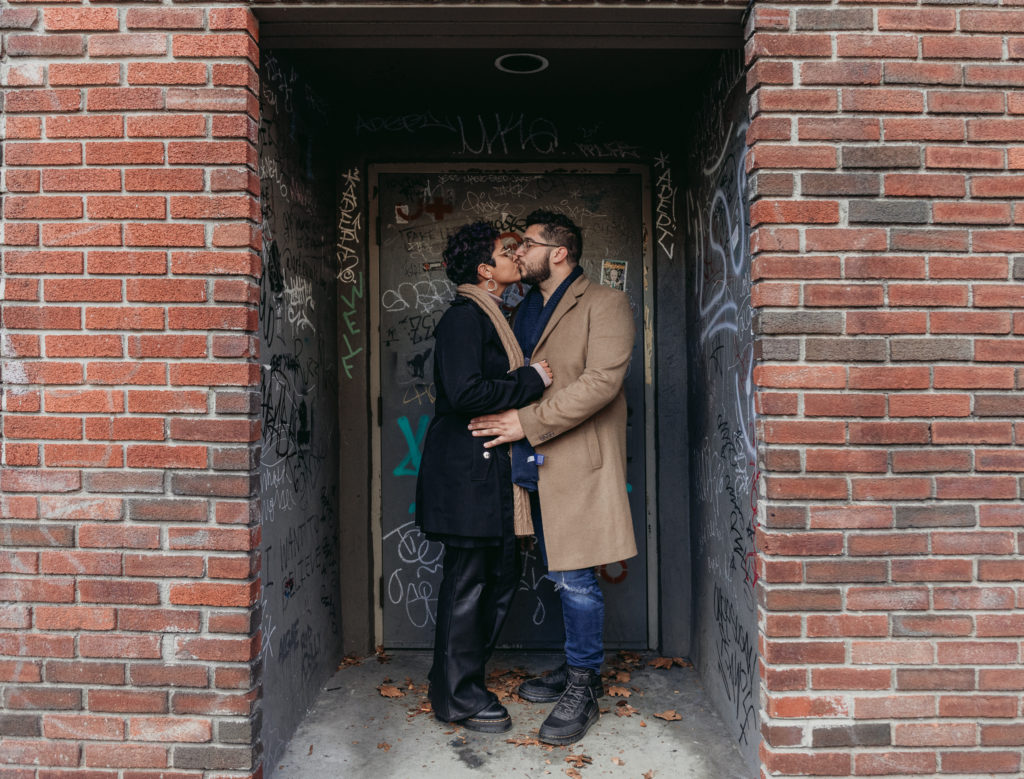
[623,709]
[390,691]
[643,724]
[630,658]
[523,741]
[668,662]
[579,761]
[348,660]
[618,761]
[384,745]
[649,775]
[622,676]
[310,750]
[669,714]
[382,656]
[423,708]
[619,691]
[573,773]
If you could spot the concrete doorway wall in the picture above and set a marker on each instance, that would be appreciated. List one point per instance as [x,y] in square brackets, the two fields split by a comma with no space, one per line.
[341,109]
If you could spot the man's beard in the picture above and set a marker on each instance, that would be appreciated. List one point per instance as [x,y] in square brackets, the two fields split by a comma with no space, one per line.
[536,274]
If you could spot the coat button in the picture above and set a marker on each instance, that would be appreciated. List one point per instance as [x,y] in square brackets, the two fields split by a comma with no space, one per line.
[487,455]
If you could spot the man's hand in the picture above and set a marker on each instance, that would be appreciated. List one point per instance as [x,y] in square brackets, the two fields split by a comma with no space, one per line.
[505,425]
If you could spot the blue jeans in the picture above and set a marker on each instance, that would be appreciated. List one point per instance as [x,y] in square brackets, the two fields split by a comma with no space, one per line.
[582,605]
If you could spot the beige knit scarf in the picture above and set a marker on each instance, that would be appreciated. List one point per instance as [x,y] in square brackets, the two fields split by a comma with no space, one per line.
[520,497]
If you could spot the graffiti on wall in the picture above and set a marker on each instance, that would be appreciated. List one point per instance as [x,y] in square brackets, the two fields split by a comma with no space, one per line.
[299,610]
[724,474]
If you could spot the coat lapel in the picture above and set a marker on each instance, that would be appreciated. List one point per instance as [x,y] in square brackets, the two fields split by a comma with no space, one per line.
[568,301]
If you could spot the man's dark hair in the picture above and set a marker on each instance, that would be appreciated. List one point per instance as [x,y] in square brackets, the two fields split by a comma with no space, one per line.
[559,229]
[471,245]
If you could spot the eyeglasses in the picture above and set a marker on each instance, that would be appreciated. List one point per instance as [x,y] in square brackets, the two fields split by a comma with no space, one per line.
[529,243]
[509,251]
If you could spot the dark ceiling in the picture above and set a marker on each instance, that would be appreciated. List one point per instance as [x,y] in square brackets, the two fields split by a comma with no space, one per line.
[382,75]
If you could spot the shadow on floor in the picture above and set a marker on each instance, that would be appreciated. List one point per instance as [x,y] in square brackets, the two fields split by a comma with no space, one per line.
[353,730]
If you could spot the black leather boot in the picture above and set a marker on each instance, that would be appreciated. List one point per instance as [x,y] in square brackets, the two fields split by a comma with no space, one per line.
[575,711]
[492,719]
[550,685]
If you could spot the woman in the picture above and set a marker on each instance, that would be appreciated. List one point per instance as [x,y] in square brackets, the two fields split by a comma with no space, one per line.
[464,493]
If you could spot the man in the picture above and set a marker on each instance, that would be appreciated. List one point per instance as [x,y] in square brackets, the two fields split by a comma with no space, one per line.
[578,434]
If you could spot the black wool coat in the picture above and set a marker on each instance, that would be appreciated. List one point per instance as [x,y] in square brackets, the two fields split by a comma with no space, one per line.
[463,489]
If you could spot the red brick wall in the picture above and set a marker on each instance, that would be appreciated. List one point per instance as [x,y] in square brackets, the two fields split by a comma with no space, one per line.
[127,569]
[886,165]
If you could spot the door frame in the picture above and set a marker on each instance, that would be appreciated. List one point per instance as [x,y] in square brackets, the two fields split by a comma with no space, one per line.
[373,347]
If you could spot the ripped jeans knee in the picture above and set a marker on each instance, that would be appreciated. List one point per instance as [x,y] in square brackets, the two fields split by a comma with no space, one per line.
[581,583]
[583,614]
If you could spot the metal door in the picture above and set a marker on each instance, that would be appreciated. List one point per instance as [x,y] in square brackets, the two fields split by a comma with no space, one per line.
[416,208]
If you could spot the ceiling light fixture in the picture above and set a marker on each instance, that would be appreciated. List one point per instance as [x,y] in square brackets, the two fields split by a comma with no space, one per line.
[521,63]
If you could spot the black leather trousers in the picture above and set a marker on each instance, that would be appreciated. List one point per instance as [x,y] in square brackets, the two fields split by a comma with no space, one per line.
[476,590]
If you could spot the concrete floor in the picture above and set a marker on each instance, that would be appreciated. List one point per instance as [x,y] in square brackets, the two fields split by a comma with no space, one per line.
[353,730]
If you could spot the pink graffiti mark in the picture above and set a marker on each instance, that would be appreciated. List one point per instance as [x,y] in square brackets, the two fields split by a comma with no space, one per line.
[614,579]
[439,208]
[402,211]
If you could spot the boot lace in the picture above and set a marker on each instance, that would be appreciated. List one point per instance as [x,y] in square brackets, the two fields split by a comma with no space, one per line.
[572,700]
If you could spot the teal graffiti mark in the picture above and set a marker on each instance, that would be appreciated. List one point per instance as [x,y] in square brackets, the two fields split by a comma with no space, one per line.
[410,464]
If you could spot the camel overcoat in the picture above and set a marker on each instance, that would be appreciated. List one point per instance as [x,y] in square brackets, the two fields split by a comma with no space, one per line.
[579,425]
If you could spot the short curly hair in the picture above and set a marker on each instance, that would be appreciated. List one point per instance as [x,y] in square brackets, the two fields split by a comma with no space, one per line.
[469,246]
[559,229]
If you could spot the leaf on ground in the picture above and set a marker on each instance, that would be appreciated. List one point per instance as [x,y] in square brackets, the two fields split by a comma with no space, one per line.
[504,682]
[573,773]
[348,660]
[618,761]
[384,745]
[423,708]
[310,750]
[621,677]
[668,662]
[382,656]
[390,691]
[669,714]
[623,709]
[619,691]
[579,761]
[630,658]
[523,741]
[643,724]
[649,775]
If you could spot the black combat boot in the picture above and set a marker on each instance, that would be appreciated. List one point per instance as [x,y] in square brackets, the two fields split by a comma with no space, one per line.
[575,711]
[492,719]
[550,685]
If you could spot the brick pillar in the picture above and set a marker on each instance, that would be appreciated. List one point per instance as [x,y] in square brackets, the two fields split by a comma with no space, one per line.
[885,165]
[127,570]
